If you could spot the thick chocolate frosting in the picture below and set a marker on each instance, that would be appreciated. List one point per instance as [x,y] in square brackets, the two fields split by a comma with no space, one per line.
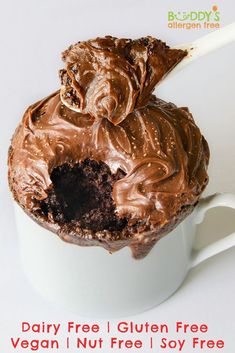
[159,148]
[110,77]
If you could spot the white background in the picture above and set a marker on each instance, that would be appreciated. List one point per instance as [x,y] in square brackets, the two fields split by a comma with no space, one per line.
[33,33]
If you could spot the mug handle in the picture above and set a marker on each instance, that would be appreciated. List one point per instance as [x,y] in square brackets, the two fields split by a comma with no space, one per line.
[216,200]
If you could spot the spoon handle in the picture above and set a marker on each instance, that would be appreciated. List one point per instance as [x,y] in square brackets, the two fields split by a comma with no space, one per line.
[205,45]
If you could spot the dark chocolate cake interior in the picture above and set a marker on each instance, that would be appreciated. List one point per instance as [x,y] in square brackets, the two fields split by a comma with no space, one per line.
[83,193]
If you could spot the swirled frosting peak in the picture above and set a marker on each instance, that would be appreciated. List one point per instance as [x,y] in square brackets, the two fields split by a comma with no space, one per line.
[157,157]
[110,77]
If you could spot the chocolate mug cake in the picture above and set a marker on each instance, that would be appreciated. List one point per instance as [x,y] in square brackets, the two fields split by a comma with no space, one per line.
[103,161]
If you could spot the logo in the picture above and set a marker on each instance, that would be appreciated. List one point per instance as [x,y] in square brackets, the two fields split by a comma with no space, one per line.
[194,19]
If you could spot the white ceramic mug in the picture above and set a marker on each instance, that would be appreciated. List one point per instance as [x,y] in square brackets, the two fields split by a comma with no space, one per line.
[92,282]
